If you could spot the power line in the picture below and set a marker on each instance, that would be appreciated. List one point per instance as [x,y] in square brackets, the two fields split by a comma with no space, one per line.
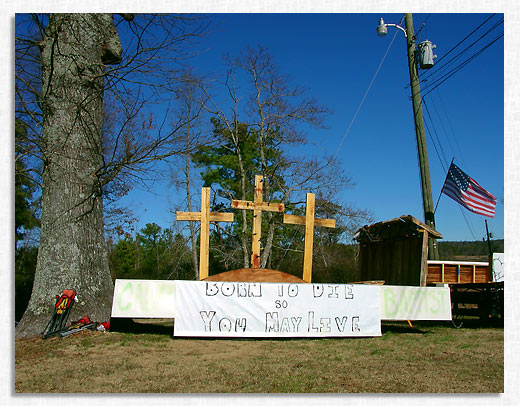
[422,26]
[452,60]
[448,75]
[450,134]
[433,71]
[438,69]
[443,163]
[431,127]
[366,94]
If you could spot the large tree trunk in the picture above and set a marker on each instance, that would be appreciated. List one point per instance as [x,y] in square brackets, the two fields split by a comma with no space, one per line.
[72,253]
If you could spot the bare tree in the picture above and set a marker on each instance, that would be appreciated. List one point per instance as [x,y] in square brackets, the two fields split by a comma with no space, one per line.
[67,66]
[190,101]
[277,111]
[261,102]
[232,130]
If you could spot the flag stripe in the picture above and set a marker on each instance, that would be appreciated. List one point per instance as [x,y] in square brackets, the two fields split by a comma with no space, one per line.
[472,205]
[468,193]
[468,196]
[481,191]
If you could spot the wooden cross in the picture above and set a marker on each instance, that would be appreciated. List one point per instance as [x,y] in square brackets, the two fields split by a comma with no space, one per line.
[309,222]
[204,216]
[257,206]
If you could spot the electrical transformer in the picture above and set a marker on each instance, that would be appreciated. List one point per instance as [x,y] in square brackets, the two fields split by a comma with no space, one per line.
[425,54]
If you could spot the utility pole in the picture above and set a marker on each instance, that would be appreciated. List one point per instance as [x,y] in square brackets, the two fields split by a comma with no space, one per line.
[421,139]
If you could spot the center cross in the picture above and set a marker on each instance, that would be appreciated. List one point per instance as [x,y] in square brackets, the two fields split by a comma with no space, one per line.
[257,206]
[204,216]
[309,222]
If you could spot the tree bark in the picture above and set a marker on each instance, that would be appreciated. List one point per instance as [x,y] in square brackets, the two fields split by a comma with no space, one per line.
[72,252]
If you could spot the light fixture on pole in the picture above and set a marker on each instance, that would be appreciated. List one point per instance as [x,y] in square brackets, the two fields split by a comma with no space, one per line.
[382,28]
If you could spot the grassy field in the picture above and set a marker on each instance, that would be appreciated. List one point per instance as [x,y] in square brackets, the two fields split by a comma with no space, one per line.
[428,358]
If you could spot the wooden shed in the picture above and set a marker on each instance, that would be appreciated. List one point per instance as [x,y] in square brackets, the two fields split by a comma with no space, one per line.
[395,251]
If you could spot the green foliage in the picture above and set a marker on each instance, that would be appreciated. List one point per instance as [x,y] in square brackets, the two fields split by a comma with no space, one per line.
[154,253]
[452,250]
[221,161]
[230,166]
[25,268]
[25,219]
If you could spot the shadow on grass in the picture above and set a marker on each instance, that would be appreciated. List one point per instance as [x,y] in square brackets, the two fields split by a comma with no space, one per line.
[476,323]
[123,325]
[423,327]
[132,326]
[404,328]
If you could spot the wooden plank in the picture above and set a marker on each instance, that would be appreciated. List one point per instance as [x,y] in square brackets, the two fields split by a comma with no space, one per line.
[474,268]
[248,205]
[459,262]
[204,216]
[309,237]
[257,222]
[257,205]
[275,207]
[213,216]
[430,230]
[188,216]
[204,233]
[225,217]
[310,222]
[242,204]
[442,273]
[300,220]
[424,259]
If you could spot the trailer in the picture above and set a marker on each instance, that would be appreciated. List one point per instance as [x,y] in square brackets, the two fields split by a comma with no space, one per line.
[473,287]
[396,252]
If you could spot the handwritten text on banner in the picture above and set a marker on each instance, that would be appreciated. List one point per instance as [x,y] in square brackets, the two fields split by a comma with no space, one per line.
[241,309]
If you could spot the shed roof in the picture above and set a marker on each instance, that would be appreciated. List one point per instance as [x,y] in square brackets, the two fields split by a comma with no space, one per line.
[405,226]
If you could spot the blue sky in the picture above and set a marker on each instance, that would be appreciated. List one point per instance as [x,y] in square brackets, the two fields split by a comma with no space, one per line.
[335,56]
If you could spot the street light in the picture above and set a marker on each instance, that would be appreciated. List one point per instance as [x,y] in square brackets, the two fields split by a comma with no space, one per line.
[382,29]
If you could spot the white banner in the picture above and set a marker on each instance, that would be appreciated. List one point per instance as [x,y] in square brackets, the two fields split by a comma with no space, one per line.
[143,298]
[415,303]
[242,309]
[498,267]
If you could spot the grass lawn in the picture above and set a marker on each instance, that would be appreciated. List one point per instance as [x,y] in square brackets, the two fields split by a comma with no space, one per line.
[426,358]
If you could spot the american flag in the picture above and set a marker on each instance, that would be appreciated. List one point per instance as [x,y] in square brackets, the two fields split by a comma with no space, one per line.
[467,192]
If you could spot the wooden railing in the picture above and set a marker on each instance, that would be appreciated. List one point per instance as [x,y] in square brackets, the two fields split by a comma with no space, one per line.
[454,272]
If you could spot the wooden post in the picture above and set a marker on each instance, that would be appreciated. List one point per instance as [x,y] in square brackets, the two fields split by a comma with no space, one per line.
[490,260]
[205,217]
[204,233]
[424,166]
[424,258]
[309,221]
[310,209]
[257,205]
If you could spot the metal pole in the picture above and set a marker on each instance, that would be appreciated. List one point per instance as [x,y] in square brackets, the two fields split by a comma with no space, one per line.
[429,217]
[490,262]
[488,240]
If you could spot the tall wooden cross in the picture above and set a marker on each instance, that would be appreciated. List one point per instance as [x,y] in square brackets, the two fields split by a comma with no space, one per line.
[257,206]
[204,216]
[309,222]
